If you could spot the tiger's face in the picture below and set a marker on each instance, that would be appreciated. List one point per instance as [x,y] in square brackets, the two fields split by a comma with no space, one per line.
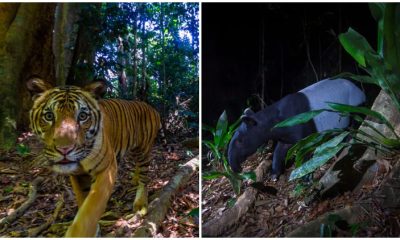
[68,121]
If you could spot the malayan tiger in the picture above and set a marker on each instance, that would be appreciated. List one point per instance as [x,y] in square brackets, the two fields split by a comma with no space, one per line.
[85,136]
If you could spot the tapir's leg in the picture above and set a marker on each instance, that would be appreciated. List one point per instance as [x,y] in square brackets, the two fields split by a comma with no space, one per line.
[278,160]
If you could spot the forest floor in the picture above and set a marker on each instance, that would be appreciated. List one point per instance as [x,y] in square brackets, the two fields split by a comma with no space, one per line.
[277,215]
[17,174]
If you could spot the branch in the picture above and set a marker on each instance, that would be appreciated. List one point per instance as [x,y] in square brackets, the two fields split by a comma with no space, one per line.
[158,207]
[33,232]
[217,226]
[21,210]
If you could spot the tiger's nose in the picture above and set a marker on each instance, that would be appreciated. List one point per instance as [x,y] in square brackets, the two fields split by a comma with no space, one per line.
[65,149]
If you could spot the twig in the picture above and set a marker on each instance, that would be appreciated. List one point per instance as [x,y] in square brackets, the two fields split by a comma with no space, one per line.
[20,211]
[158,207]
[308,51]
[33,232]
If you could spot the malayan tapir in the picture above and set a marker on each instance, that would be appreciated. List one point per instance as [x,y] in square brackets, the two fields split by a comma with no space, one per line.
[257,128]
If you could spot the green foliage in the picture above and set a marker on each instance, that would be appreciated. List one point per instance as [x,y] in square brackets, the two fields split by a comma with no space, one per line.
[22,149]
[336,222]
[383,68]
[222,134]
[322,154]
[150,52]
[355,228]
[325,145]
[298,190]
[383,65]
[194,212]
[231,202]
[325,230]
[8,189]
[300,119]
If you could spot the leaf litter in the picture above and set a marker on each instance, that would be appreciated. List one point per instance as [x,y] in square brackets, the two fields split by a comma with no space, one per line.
[277,215]
[17,172]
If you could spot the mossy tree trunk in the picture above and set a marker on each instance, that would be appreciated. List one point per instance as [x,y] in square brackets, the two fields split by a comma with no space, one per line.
[25,50]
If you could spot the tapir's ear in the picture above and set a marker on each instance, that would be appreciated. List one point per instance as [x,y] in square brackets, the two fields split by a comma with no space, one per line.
[37,86]
[97,88]
[249,120]
[248,112]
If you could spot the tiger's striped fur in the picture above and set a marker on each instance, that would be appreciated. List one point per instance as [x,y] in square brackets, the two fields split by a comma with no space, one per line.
[84,137]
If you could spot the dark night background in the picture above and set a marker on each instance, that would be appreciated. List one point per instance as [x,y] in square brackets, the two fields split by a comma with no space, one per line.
[231,50]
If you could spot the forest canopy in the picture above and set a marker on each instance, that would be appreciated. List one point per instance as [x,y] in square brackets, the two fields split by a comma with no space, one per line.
[145,51]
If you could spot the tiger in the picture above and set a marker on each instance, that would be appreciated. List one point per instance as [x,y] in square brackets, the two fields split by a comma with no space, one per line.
[84,136]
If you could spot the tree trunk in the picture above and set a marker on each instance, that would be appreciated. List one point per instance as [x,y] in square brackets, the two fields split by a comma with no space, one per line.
[66,33]
[134,58]
[82,70]
[25,50]
[145,81]
[163,73]
[122,64]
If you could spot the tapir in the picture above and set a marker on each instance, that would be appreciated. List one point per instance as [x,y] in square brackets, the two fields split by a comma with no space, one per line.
[257,128]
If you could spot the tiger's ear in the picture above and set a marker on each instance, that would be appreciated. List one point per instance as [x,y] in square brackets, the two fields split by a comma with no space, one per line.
[37,86]
[97,88]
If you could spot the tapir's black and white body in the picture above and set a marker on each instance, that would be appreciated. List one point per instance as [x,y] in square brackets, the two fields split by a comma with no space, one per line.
[256,128]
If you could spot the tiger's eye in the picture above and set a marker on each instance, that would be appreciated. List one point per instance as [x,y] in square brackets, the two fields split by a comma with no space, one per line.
[49,116]
[82,116]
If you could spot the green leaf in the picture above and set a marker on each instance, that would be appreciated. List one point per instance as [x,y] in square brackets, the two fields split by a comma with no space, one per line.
[221,128]
[354,109]
[194,212]
[8,189]
[360,78]
[213,175]
[330,144]
[248,176]
[391,143]
[356,45]
[236,183]
[377,10]
[22,149]
[213,148]
[325,230]
[309,143]
[363,110]
[299,119]
[322,154]
[304,151]
[231,202]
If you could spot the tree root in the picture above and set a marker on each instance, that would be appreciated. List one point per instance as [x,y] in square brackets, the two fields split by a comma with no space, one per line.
[217,226]
[33,232]
[352,214]
[159,206]
[21,210]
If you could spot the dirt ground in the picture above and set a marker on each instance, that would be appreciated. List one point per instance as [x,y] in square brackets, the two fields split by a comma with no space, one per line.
[277,215]
[17,173]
